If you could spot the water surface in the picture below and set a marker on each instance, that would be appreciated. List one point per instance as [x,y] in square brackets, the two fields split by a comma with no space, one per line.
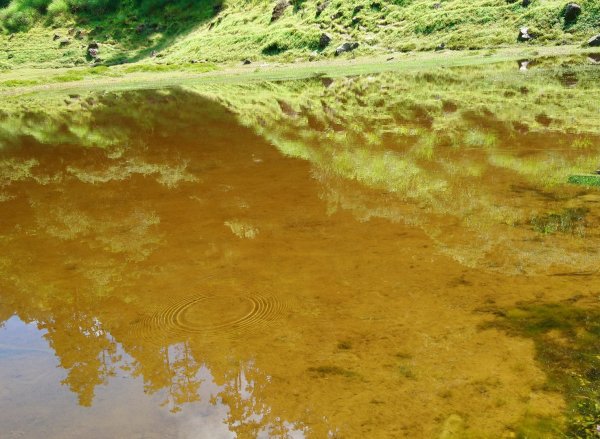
[398,255]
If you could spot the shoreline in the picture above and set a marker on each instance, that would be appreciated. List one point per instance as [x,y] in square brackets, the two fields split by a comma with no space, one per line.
[115,77]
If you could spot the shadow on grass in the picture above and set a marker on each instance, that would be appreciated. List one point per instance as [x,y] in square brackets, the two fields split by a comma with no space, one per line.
[143,31]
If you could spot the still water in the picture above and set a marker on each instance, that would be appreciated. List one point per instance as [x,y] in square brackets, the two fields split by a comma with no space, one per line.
[394,255]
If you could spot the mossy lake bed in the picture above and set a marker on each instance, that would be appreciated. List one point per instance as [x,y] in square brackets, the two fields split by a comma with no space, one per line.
[333,250]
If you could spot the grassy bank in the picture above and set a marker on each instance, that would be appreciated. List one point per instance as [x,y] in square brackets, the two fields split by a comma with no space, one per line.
[56,33]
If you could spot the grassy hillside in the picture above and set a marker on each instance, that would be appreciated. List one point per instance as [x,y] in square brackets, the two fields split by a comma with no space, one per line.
[56,32]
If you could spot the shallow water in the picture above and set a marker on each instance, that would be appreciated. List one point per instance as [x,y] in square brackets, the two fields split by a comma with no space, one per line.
[348,257]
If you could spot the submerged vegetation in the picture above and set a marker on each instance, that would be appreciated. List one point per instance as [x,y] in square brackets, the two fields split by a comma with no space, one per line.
[567,341]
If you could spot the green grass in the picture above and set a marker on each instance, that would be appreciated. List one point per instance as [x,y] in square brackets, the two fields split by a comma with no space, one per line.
[585,180]
[181,31]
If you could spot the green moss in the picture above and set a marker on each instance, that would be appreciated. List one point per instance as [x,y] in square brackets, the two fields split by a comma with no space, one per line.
[585,180]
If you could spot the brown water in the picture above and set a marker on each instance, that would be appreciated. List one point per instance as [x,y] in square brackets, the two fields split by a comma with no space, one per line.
[176,267]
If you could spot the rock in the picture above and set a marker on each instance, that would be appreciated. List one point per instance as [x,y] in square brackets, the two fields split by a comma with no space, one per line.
[338,14]
[322,6]
[71,31]
[437,6]
[346,47]
[79,34]
[324,40]
[524,34]
[326,82]
[56,37]
[523,64]
[279,9]
[357,9]
[246,62]
[356,21]
[93,53]
[594,58]
[594,41]
[64,42]
[525,3]
[93,45]
[441,46]
[572,11]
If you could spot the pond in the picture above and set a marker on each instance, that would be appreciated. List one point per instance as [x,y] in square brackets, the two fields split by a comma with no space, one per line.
[406,254]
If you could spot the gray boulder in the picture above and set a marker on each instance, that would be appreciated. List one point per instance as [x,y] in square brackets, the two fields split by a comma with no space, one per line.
[346,47]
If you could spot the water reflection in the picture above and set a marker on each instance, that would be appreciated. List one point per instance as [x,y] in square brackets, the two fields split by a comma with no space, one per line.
[183,265]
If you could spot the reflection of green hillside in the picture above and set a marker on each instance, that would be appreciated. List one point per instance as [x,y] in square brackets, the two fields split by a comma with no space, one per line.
[123,204]
[491,147]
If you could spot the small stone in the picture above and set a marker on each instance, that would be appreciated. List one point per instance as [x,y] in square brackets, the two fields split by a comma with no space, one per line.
[523,64]
[56,37]
[322,6]
[324,40]
[279,9]
[246,62]
[524,34]
[64,42]
[441,46]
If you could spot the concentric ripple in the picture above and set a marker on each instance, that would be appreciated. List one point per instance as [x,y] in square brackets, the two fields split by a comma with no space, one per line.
[214,315]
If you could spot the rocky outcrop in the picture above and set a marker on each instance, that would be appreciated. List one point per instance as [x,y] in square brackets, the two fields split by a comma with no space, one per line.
[346,47]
